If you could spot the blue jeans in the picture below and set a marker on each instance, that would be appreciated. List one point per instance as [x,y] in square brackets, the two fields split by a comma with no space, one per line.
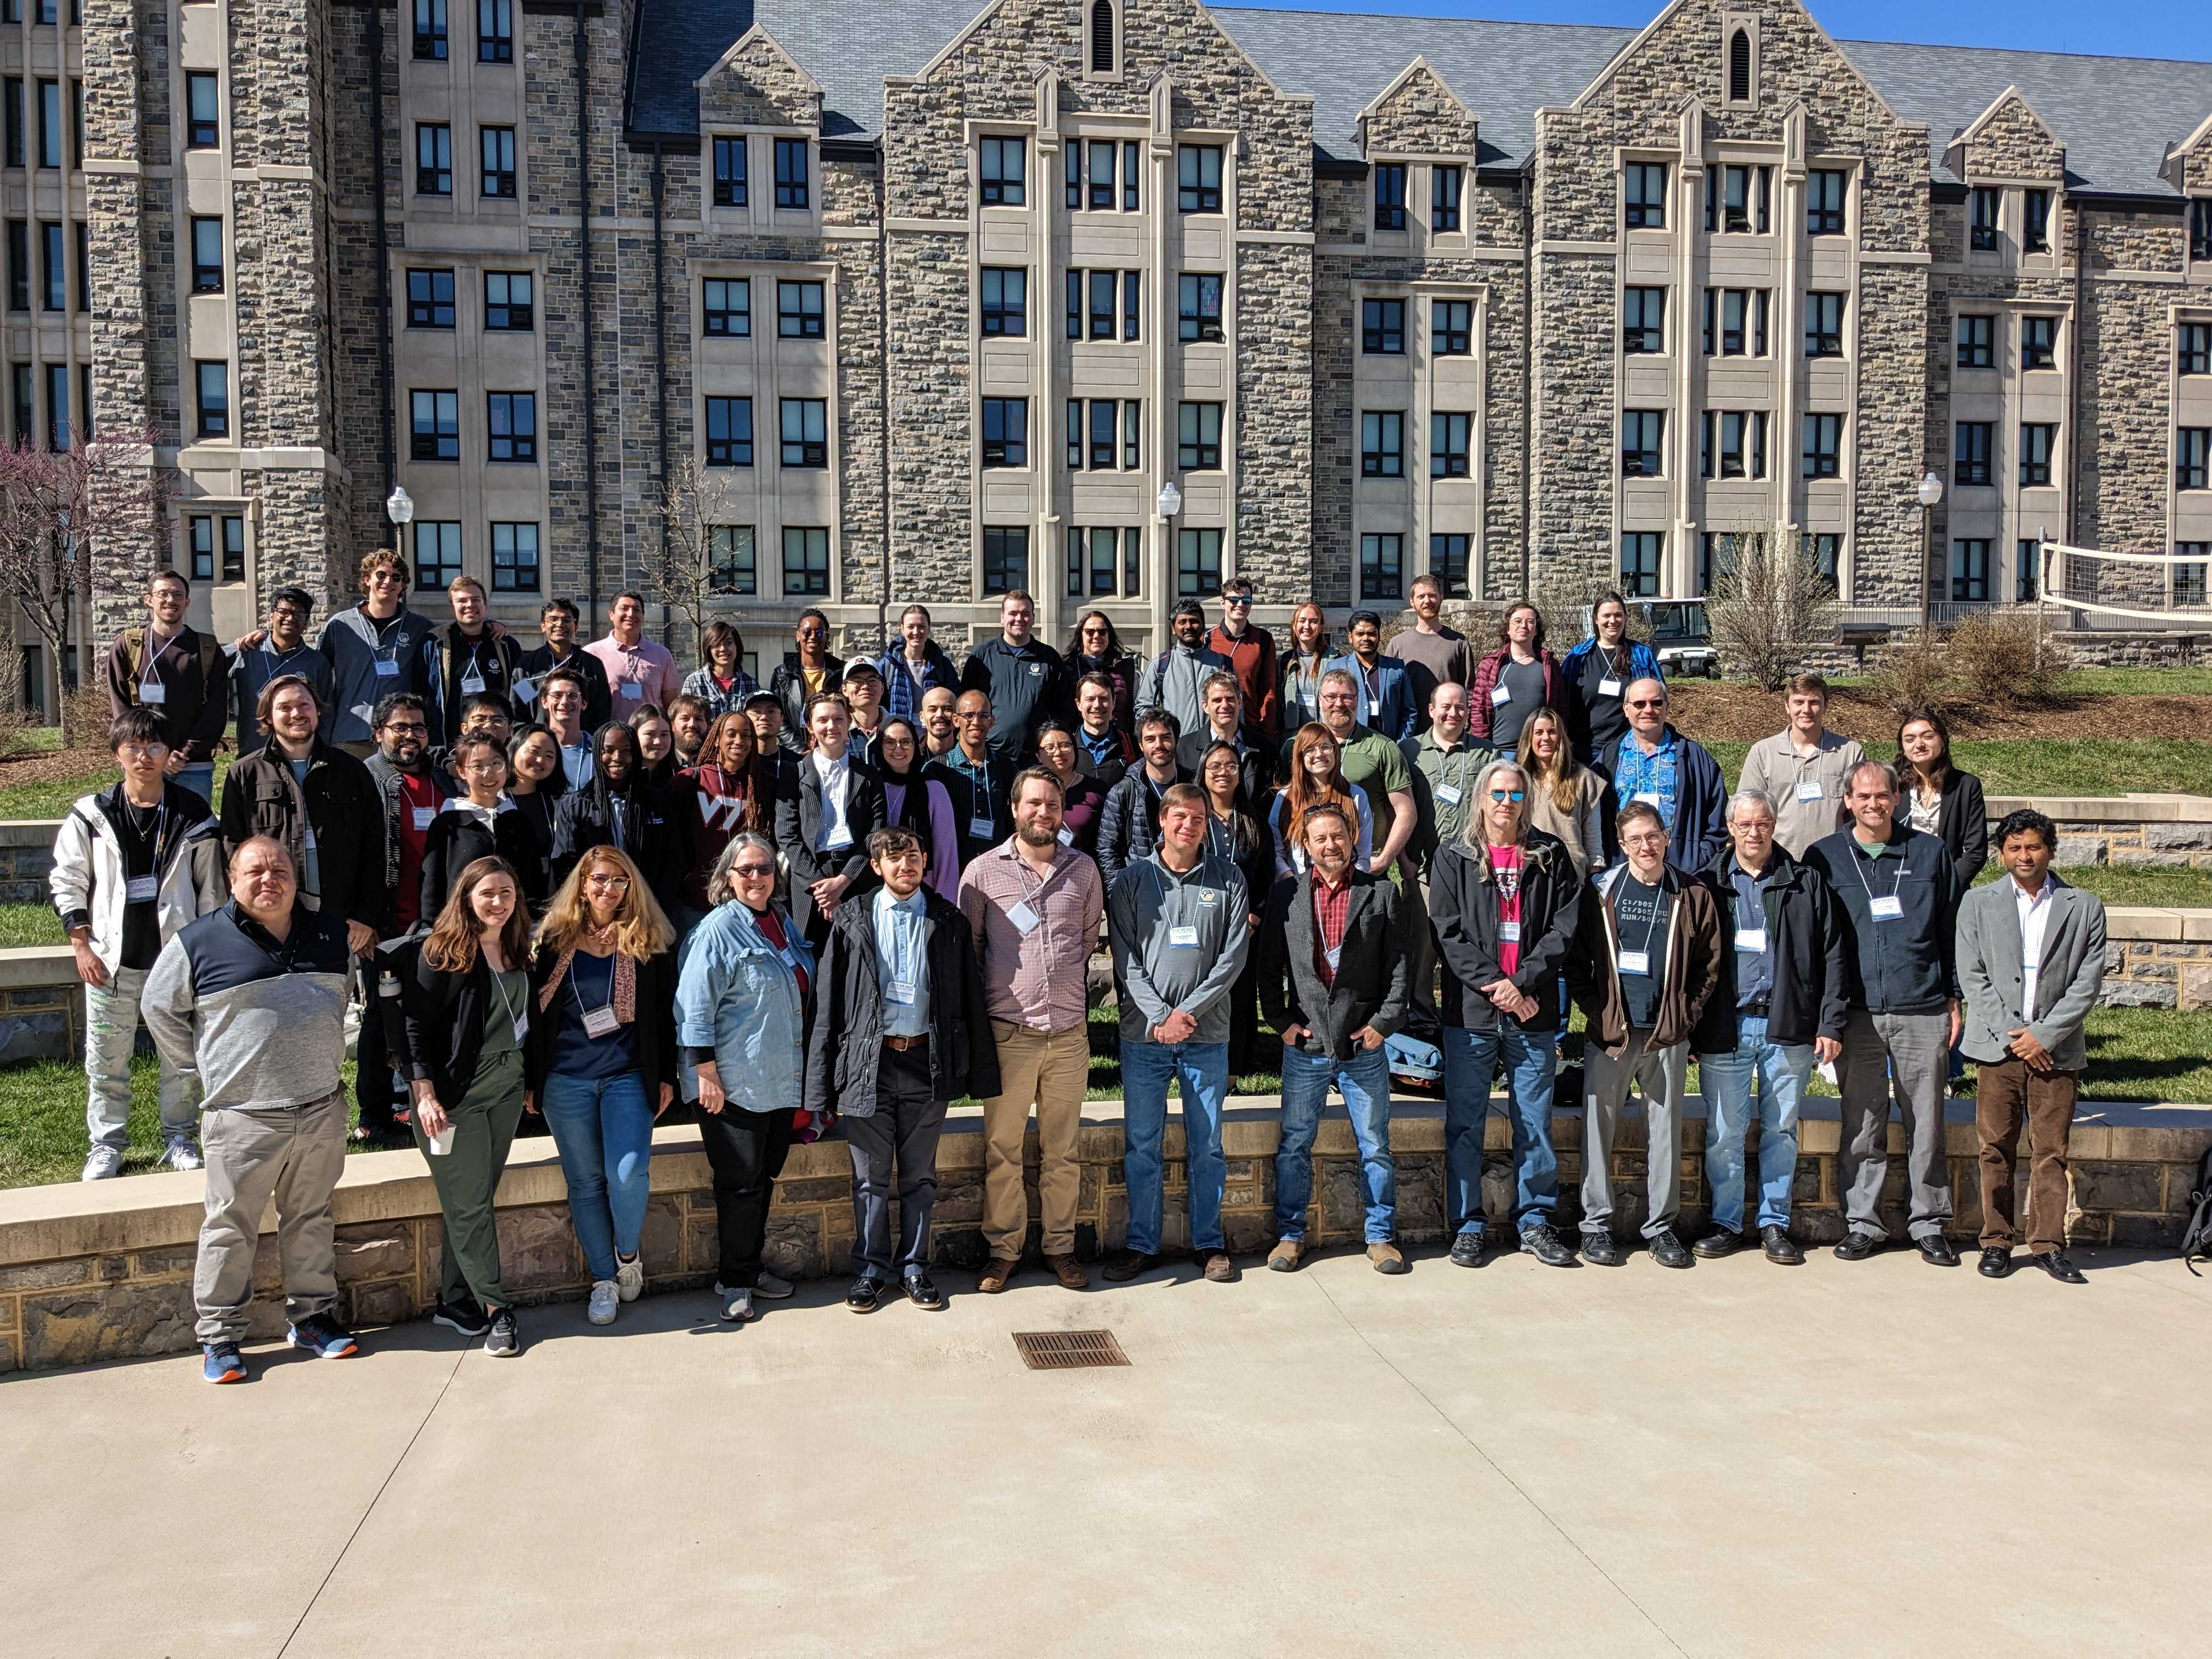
[1532,1061]
[1203,1069]
[1780,1070]
[199,778]
[1365,1081]
[602,1129]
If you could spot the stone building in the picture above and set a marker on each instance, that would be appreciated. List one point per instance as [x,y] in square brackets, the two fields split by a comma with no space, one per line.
[939,299]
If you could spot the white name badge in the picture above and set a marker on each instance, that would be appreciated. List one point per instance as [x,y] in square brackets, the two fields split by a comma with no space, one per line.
[841,836]
[1811,790]
[525,691]
[471,682]
[1373,710]
[1750,939]
[139,889]
[1332,957]
[600,1022]
[1066,836]
[310,831]
[982,828]
[1509,933]
[1025,919]
[424,815]
[1635,962]
[1889,909]
[1183,937]
[1608,688]
[387,669]
[902,992]
[1499,695]
[153,693]
[1448,793]
[522,1029]
[1649,797]
[632,690]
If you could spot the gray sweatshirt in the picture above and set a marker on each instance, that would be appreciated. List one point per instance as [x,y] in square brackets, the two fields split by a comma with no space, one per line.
[1179,942]
[354,645]
[263,1024]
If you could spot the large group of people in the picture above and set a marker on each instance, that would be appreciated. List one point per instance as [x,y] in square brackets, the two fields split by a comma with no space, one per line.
[575,886]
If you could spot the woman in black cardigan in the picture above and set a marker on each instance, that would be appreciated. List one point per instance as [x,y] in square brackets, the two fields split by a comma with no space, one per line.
[1937,799]
[534,783]
[464,1021]
[481,825]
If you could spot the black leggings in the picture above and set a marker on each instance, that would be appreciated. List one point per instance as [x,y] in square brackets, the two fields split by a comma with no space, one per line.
[747,1150]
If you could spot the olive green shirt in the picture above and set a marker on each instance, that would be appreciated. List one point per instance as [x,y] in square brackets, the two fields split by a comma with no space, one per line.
[1444,789]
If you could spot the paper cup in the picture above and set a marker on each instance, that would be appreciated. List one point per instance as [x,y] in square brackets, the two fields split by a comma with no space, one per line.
[442,1142]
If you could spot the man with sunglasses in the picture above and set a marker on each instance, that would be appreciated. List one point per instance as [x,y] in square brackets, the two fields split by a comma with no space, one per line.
[1250,652]
[1654,764]
[375,651]
[280,649]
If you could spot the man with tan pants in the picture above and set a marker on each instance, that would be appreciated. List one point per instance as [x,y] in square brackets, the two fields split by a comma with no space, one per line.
[1036,905]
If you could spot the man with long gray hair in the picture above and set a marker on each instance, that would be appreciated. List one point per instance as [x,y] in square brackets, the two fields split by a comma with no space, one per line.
[1504,903]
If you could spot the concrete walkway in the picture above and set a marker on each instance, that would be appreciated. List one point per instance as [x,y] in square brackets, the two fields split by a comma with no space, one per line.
[1739,1460]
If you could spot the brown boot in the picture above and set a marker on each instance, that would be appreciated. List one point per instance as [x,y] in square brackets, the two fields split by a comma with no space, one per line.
[1002,1269]
[1069,1272]
[1216,1266]
[1285,1256]
[1387,1258]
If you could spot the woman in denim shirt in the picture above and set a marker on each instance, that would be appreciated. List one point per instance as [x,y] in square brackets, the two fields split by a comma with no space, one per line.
[741,1024]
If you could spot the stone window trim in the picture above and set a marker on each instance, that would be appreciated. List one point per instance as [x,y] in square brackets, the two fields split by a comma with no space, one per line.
[2192,342]
[1101,51]
[214,533]
[1739,65]
[1646,179]
[764,295]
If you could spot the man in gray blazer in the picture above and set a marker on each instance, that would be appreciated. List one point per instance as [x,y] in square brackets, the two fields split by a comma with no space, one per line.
[2031,954]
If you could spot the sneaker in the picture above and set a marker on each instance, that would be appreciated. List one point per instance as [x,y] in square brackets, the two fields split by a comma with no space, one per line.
[769,1288]
[323,1337]
[221,1362]
[466,1318]
[630,1277]
[103,1163]
[1543,1241]
[1600,1249]
[503,1343]
[737,1302]
[1466,1249]
[1668,1250]
[606,1295]
[180,1152]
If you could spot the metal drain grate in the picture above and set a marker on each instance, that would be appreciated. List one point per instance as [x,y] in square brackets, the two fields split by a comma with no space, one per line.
[1061,1351]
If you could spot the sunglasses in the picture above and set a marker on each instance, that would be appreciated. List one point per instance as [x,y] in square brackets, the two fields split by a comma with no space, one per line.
[752,872]
[1647,703]
[1509,794]
[1237,602]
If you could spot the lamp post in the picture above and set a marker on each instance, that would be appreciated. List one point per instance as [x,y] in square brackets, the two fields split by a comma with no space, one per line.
[399,507]
[1170,502]
[1929,491]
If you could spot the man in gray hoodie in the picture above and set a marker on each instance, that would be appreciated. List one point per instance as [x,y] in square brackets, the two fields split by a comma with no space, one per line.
[374,648]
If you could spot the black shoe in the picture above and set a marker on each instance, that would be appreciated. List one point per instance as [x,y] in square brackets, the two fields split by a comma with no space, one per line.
[1720,1242]
[1466,1249]
[1667,1250]
[867,1291]
[466,1318]
[1600,1249]
[1996,1262]
[1936,1251]
[1780,1246]
[1129,1264]
[923,1293]
[1543,1241]
[504,1342]
[2055,1263]
[1858,1247]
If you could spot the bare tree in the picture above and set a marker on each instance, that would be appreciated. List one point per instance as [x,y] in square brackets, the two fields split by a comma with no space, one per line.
[62,511]
[684,569]
[1769,600]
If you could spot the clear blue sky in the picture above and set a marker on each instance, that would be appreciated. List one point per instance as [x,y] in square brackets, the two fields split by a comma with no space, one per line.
[2132,29]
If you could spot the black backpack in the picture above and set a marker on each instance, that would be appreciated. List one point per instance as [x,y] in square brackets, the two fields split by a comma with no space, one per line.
[2196,1236]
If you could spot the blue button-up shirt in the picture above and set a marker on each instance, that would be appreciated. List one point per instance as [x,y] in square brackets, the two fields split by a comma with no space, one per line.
[903,962]
[1653,776]
[1754,969]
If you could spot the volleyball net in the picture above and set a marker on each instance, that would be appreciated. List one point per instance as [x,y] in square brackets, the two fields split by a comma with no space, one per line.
[2108,589]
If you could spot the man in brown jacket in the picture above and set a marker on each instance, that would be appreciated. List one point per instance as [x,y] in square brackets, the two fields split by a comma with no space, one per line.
[1646,958]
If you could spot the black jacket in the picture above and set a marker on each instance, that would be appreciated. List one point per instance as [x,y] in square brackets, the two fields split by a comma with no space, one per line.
[656,1024]
[1128,824]
[1962,822]
[341,801]
[1027,685]
[598,696]
[1907,964]
[995,802]
[1255,768]
[845,1035]
[447,656]
[652,834]
[1463,917]
[1371,971]
[441,1021]
[788,685]
[798,822]
[458,838]
[534,846]
[1806,938]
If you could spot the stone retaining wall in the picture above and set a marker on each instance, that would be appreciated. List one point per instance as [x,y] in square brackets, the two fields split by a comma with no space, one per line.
[104,1272]
[26,853]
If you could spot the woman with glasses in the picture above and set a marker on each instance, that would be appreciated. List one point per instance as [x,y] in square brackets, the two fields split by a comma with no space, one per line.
[534,783]
[481,825]
[1095,647]
[741,1005]
[914,800]
[1300,665]
[1566,799]
[732,788]
[722,683]
[1082,798]
[1938,799]
[619,808]
[1316,775]
[600,1060]
[1504,899]
[1234,834]
[465,1020]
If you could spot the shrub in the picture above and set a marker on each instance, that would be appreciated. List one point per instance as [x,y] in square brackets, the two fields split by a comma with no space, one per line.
[1769,602]
[1918,675]
[2006,660]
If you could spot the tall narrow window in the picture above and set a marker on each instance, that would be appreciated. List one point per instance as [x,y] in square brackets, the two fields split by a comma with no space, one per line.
[1970,455]
[1824,445]
[1970,569]
[53,258]
[1381,567]
[730,170]
[435,429]
[2193,348]
[2038,440]
[1006,432]
[211,383]
[1644,320]
[434,159]
[12,118]
[1740,67]
[1198,563]
[1643,195]
[1198,179]
[202,110]
[59,436]
[1129,170]
[1198,439]
[1449,444]
[1982,204]
[1132,433]
[1382,444]
[1103,435]
[1639,562]
[791,179]
[2035,222]
[2027,553]
[1824,325]
[1000,162]
[1130,304]
[1005,558]
[1641,430]
[1826,190]
[19,265]
[1104,285]
[1102,44]
[207,256]
[430,40]
[232,532]
[2039,343]
[1390,196]
[805,561]
[437,554]
[2200,227]
[1102,175]
[805,432]
[50,146]
[1443,197]
[1200,317]
[515,558]
[495,32]
[2192,457]
[734,565]
[1976,341]
[1828,558]
[1448,564]
[498,147]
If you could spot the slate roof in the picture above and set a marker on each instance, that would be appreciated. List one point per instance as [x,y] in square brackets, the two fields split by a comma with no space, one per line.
[2114,115]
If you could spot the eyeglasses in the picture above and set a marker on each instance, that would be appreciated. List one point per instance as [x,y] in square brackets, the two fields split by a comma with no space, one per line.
[1509,794]
[607,884]
[406,729]
[381,577]
[1647,703]
[752,872]
[142,751]
[973,714]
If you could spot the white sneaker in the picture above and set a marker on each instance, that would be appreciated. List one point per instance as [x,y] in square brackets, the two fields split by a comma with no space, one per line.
[736,1304]
[103,1163]
[600,1309]
[629,1277]
[772,1289]
[180,1154]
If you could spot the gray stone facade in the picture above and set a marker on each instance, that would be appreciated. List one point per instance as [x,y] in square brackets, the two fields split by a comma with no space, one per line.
[898,226]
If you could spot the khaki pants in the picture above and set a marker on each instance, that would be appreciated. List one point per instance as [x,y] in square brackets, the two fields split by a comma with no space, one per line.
[295,1154]
[1050,1071]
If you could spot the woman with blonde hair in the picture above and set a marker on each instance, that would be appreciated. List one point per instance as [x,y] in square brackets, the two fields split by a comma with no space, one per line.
[1301,663]
[1316,775]
[1566,799]
[601,1060]
[465,1018]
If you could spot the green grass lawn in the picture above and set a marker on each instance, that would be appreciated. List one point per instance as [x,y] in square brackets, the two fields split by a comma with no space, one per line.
[30,924]
[2058,766]
[52,801]
[2131,884]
